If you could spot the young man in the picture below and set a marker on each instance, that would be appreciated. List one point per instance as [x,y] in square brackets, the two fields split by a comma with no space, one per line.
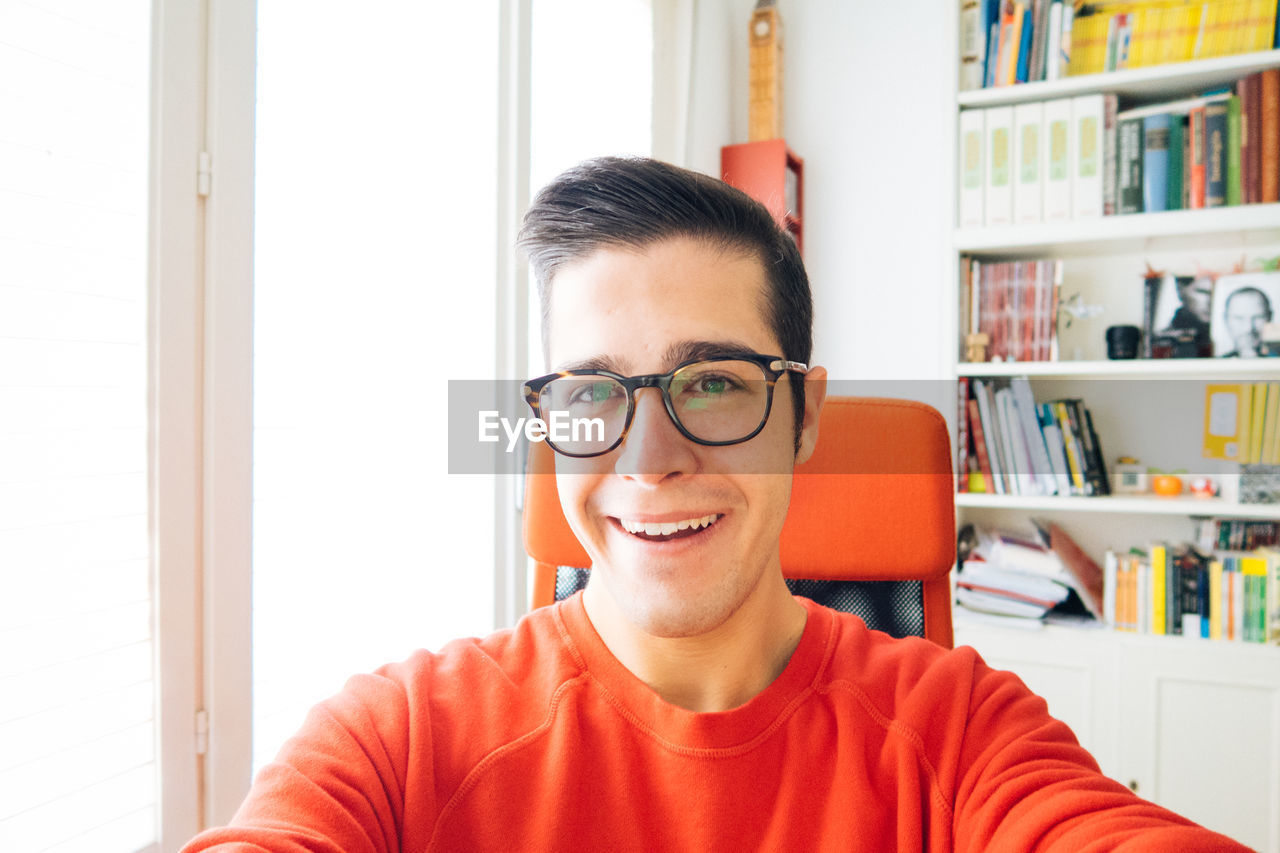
[685,700]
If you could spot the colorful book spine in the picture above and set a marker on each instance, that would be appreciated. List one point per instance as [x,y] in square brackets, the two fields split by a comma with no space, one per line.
[1129,165]
[1176,162]
[1196,163]
[1215,154]
[1235,194]
[1269,136]
[1155,162]
[1250,128]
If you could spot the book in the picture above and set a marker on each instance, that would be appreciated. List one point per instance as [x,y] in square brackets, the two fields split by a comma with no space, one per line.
[1109,204]
[962,434]
[1056,449]
[980,448]
[972,178]
[1072,448]
[1064,45]
[1027,192]
[973,44]
[1033,436]
[1056,153]
[1247,91]
[1016,459]
[1269,136]
[998,198]
[1097,461]
[1159,588]
[1053,50]
[1227,421]
[1026,18]
[1196,160]
[1129,162]
[984,426]
[1215,154]
[1233,172]
[1110,571]
[1089,168]
[1257,421]
[1176,162]
[1155,162]
[1010,35]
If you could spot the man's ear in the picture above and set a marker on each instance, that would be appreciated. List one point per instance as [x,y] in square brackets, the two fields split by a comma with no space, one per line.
[815,394]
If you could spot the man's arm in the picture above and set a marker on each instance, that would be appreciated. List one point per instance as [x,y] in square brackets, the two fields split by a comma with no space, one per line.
[1025,783]
[338,785]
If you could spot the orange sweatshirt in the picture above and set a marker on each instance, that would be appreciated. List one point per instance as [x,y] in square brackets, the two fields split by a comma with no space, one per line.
[537,738]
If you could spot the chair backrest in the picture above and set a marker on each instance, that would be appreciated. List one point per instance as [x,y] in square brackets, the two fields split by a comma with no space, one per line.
[871,526]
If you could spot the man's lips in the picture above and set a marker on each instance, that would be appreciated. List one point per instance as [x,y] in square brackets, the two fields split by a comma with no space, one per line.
[667,529]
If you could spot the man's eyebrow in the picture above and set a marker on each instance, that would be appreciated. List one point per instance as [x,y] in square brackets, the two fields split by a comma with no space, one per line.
[680,352]
[684,351]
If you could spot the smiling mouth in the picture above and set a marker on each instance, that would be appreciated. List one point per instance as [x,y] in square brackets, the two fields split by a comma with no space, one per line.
[665,531]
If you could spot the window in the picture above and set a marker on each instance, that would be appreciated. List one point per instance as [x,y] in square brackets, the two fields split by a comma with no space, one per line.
[374,285]
[77,694]
[591,94]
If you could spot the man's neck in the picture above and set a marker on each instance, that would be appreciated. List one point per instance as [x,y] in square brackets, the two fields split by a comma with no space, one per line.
[715,671]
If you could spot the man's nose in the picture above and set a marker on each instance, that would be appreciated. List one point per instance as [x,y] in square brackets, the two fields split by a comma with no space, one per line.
[654,449]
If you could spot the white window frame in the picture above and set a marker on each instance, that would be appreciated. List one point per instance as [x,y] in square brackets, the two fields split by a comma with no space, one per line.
[202,369]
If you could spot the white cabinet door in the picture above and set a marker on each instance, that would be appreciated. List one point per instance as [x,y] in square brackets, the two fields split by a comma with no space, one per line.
[1201,733]
[1191,725]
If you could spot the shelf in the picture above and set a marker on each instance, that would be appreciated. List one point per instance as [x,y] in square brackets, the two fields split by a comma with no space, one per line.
[1158,82]
[975,625]
[1144,504]
[1118,233]
[1221,369]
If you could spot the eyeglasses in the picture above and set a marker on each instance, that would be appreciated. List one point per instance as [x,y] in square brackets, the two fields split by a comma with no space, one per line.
[716,401]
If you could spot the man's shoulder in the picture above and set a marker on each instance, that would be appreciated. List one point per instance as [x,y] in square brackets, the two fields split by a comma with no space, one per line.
[532,654]
[893,670]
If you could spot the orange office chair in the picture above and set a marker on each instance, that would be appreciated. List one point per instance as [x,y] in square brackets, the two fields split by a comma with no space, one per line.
[871,528]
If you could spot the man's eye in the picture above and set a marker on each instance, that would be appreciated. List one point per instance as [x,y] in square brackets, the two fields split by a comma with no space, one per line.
[713,385]
[592,393]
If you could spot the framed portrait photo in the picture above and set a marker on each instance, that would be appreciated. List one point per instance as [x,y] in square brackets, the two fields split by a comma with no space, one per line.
[1242,305]
[1177,315]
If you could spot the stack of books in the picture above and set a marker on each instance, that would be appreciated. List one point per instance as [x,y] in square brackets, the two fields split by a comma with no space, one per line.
[1027,574]
[1180,589]
[1078,158]
[1013,303]
[1003,42]
[1020,447]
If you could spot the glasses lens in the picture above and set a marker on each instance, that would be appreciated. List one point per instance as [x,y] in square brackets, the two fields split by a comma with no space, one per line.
[584,414]
[720,400]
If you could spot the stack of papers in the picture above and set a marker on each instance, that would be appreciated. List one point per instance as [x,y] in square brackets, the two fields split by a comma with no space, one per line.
[1012,575]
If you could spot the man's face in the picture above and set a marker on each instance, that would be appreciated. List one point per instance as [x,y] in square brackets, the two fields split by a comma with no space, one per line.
[1246,315]
[638,312]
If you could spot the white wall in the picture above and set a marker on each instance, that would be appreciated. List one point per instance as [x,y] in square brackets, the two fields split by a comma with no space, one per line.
[869,95]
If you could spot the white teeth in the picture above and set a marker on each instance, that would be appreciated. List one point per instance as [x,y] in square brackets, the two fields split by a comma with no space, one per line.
[666,528]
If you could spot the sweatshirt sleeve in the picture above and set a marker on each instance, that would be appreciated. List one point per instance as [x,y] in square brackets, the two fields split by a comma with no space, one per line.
[338,786]
[1025,783]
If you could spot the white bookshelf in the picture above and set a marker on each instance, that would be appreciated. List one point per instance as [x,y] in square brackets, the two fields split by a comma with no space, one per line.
[1127,695]
[1157,82]
[1121,504]
[1253,223]
[1220,370]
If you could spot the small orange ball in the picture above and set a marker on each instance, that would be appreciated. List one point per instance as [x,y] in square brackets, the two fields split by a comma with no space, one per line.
[1166,485]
